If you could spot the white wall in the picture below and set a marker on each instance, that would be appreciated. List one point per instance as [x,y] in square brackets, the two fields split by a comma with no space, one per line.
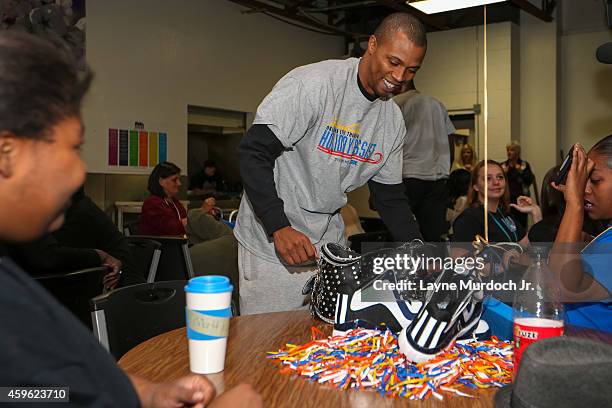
[586,86]
[453,73]
[538,94]
[154,57]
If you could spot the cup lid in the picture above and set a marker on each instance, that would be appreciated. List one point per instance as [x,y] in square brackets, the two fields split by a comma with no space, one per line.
[209,284]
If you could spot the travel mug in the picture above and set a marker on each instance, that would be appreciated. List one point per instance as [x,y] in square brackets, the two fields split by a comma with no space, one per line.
[207,316]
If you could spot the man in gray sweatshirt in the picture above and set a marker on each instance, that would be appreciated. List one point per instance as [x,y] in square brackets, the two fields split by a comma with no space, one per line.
[324,130]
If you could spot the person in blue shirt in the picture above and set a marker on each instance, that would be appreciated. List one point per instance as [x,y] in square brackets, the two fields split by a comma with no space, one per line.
[585,277]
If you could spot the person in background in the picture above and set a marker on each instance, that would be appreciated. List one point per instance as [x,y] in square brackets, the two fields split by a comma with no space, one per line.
[584,273]
[520,178]
[502,225]
[42,344]
[206,183]
[458,185]
[553,207]
[164,215]
[466,160]
[426,159]
[87,239]
[162,212]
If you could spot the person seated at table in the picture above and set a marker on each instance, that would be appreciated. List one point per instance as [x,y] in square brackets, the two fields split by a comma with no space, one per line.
[42,344]
[164,215]
[584,276]
[502,225]
[206,183]
[87,239]
[458,184]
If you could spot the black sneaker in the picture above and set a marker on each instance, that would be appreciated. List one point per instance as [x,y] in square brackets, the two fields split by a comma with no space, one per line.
[446,315]
[376,304]
[338,271]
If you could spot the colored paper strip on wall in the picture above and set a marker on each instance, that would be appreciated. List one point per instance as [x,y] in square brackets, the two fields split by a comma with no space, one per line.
[163,147]
[144,148]
[153,155]
[113,147]
[124,147]
[133,148]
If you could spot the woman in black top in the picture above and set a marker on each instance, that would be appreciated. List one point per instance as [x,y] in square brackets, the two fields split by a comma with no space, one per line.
[502,225]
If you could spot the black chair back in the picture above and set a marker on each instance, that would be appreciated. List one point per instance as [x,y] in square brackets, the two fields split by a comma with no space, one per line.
[369,241]
[126,317]
[146,254]
[175,259]
[75,289]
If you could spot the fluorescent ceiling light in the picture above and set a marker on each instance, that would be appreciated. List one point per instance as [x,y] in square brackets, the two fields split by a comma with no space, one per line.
[439,6]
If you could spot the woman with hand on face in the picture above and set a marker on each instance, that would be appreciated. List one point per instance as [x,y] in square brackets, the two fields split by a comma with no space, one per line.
[584,273]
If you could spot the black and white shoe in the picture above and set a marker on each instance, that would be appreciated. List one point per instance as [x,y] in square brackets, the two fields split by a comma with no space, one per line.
[375,305]
[339,271]
[445,316]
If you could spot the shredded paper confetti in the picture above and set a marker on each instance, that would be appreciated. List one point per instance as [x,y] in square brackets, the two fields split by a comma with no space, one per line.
[371,359]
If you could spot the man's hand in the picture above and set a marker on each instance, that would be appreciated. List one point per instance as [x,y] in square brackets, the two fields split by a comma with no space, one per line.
[293,246]
[106,260]
[190,391]
[111,279]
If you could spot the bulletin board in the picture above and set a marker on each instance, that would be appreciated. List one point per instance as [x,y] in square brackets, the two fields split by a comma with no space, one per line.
[136,147]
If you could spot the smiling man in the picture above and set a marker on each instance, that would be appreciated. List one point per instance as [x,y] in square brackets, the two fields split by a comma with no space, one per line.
[325,129]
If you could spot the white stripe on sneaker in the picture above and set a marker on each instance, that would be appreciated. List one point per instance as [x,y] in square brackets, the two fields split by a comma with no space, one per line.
[429,327]
[436,337]
[418,325]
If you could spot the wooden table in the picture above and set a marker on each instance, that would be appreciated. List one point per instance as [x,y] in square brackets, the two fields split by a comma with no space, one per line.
[166,357]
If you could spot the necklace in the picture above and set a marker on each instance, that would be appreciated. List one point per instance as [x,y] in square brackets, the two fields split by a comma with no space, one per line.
[508,227]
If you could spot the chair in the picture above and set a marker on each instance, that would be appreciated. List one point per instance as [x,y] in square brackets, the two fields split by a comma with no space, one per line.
[74,289]
[372,241]
[372,224]
[146,253]
[175,259]
[126,317]
[131,227]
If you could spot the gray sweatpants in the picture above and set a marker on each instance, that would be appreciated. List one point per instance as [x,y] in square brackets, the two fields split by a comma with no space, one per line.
[270,287]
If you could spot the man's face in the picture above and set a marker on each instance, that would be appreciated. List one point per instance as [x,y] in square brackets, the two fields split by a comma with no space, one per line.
[391,64]
[43,176]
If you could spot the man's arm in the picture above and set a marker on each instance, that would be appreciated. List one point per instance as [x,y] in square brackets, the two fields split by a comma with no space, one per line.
[257,154]
[392,204]
[48,256]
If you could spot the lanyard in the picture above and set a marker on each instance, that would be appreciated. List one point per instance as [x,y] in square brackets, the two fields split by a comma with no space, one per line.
[175,209]
[504,229]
